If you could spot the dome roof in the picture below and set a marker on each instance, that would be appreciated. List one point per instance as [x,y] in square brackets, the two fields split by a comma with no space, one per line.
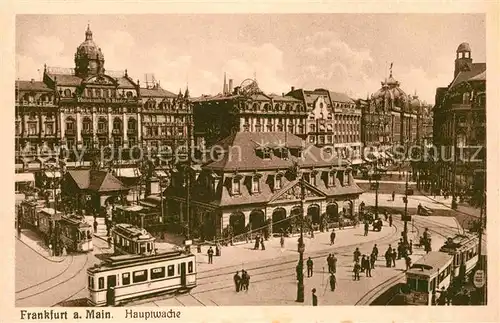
[390,90]
[88,49]
[463,47]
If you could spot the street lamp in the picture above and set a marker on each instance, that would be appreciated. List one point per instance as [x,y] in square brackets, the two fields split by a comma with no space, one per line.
[405,216]
[52,169]
[301,247]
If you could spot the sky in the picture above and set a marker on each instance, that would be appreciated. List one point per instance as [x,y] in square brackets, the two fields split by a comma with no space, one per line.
[348,53]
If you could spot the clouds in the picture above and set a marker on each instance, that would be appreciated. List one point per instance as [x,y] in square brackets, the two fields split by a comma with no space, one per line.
[338,52]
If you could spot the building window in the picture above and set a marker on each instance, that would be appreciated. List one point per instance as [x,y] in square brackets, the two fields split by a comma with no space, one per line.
[31,128]
[277,182]
[71,143]
[117,124]
[236,186]
[331,179]
[266,153]
[101,125]
[255,184]
[70,125]
[312,128]
[313,180]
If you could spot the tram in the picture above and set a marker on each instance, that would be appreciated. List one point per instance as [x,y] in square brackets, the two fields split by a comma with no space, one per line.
[437,270]
[127,277]
[74,232]
[130,239]
[147,216]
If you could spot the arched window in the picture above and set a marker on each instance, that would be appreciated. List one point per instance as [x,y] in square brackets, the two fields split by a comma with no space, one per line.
[131,124]
[117,123]
[87,124]
[70,125]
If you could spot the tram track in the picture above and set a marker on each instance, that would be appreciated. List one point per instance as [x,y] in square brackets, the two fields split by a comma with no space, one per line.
[58,284]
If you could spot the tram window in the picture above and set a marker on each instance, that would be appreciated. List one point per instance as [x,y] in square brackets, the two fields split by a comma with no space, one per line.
[412,283]
[157,273]
[170,270]
[125,278]
[149,246]
[422,286]
[140,276]
[190,267]
[101,283]
[91,282]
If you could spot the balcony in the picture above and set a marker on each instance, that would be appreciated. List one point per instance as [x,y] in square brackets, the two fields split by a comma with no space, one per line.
[87,132]
[116,131]
[70,132]
[102,131]
[131,131]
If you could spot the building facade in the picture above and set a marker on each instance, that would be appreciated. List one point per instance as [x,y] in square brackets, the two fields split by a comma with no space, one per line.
[460,129]
[256,183]
[86,108]
[333,120]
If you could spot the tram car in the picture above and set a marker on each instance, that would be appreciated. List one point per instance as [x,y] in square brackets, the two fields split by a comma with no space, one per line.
[46,219]
[428,275]
[127,277]
[76,234]
[130,239]
[464,249]
[147,215]
[28,213]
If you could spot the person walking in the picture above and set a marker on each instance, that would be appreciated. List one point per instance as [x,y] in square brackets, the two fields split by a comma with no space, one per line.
[375,251]
[393,195]
[373,258]
[400,248]
[332,237]
[282,241]
[386,216]
[390,220]
[262,243]
[95,225]
[388,256]
[257,241]
[334,264]
[309,264]
[314,297]
[356,269]
[367,226]
[356,254]
[363,263]
[333,282]
[394,256]
[368,268]
[237,281]
[329,263]
[408,262]
[210,254]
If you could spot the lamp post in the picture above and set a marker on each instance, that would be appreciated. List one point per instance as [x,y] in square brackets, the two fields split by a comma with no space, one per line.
[301,247]
[52,169]
[405,216]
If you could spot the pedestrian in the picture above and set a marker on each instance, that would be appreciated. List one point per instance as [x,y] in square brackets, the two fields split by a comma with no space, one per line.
[388,256]
[314,297]
[210,254]
[393,195]
[363,263]
[373,258]
[375,251]
[368,268]
[309,264]
[218,249]
[332,237]
[390,220]
[334,264]
[400,248]
[341,223]
[257,240]
[95,225]
[357,254]
[329,263]
[366,228]
[408,262]
[394,256]
[282,241]
[356,270]
[245,280]
[262,243]
[333,282]
[237,281]
[411,247]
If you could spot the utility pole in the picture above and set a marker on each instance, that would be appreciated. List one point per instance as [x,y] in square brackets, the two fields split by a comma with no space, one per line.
[301,246]
[405,217]
[188,179]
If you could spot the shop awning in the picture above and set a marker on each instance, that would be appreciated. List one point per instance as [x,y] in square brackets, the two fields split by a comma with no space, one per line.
[127,172]
[24,177]
[53,174]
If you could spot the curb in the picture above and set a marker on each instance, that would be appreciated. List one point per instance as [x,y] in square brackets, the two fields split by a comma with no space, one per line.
[59,259]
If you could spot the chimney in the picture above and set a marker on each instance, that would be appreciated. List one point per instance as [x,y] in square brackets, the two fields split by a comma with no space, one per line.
[293,88]
[230,89]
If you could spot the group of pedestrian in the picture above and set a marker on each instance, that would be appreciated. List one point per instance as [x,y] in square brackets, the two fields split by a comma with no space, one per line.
[331,261]
[390,257]
[259,241]
[241,282]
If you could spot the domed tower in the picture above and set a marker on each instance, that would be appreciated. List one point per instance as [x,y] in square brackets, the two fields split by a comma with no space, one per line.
[463,62]
[89,59]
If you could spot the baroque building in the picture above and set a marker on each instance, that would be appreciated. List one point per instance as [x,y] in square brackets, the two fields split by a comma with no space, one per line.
[74,112]
[460,129]
[255,182]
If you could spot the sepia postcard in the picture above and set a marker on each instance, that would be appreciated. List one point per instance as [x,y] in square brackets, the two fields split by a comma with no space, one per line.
[241,162]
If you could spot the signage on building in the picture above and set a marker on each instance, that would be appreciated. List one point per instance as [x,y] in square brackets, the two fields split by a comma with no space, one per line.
[479,278]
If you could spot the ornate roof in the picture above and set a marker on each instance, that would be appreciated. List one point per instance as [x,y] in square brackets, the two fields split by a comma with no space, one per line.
[463,47]
[88,49]
[390,94]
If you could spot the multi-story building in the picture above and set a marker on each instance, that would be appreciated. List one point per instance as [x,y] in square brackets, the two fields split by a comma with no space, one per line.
[390,116]
[255,183]
[246,109]
[460,128]
[86,108]
[333,121]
